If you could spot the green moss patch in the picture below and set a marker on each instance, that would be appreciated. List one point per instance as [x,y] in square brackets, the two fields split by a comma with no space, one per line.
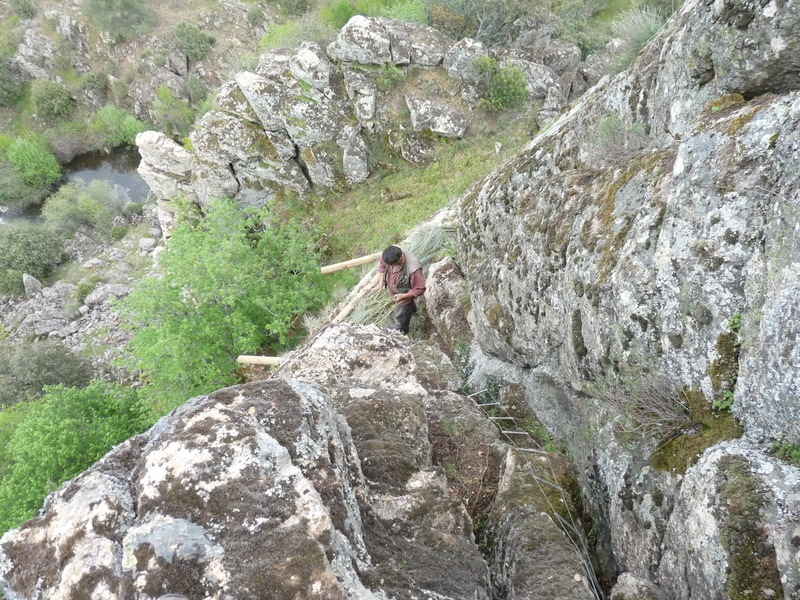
[709,429]
[752,564]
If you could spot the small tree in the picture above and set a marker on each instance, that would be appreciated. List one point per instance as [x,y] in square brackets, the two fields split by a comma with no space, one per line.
[33,160]
[51,100]
[230,285]
[24,9]
[196,89]
[172,114]
[115,127]
[193,42]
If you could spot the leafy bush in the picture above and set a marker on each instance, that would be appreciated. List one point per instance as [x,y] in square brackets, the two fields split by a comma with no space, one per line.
[61,435]
[95,82]
[13,189]
[26,248]
[296,7]
[115,127]
[10,87]
[122,18]
[77,204]
[230,285]
[634,28]
[51,100]
[414,11]
[24,9]
[255,16]
[196,89]
[25,369]
[339,12]
[172,114]
[504,87]
[193,42]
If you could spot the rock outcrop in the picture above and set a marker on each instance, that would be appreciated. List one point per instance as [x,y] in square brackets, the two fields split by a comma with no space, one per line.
[306,119]
[318,482]
[648,237]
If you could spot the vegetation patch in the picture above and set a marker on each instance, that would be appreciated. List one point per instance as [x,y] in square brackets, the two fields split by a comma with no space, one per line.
[752,564]
[724,370]
[708,428]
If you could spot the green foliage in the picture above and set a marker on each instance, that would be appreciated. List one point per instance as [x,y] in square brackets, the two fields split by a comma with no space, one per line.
[13,189]
[115,127]
[26,368]
[61,435]
[787,452]
[193,42]
[26,248]
[11,87]
[295,7]
[255,16]
[196,89]
[172,114]
[390,76]
[634,28]
[504,87]
[51,100]
[231,284]
[85,288]
[124,19]
[77,204]
[24,9]
[95,82]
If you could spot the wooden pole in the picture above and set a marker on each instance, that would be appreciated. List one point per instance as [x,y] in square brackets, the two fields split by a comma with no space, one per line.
[259,360]
[350,263]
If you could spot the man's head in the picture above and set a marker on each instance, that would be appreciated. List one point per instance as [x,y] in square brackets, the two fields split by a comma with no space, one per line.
[392,255]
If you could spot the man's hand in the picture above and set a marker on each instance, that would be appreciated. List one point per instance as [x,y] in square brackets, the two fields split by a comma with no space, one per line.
[401,297]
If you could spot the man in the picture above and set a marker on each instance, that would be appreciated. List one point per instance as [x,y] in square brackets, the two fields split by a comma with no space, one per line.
[401,272]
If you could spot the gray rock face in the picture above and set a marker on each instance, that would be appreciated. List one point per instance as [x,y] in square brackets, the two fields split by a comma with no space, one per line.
[278,488]
[305,118]
[597,257]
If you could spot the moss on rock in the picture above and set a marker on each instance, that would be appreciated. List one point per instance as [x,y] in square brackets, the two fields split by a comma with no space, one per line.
[752,563]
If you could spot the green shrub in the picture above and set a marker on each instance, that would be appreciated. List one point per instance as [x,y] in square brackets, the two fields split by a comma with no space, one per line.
[26,248]
[11,87]
[193,42]
[24,9]
[118,232]
[339,12]
[77,204]
[13,189]
[255,16]
[295,8]
[504,87]
[59,436]
[25,369]
[115,127]
[51,100]
[196,89]
[86,287]
[95,82]
[124,19]
[230,285]
[172,114]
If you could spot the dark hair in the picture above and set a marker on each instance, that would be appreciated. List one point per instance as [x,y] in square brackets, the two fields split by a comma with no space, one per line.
[391,255]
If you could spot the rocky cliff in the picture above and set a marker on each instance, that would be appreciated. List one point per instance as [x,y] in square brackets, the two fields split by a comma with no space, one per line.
[647,241]
[314,118]
[321,482]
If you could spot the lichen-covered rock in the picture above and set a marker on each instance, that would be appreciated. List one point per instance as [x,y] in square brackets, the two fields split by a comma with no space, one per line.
[460,59]
[444,298]
[436,117]
[629,587]
[165,166]
[362,40]
[645,232]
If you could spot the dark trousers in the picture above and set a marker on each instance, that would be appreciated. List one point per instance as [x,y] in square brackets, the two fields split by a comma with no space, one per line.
[402,316]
